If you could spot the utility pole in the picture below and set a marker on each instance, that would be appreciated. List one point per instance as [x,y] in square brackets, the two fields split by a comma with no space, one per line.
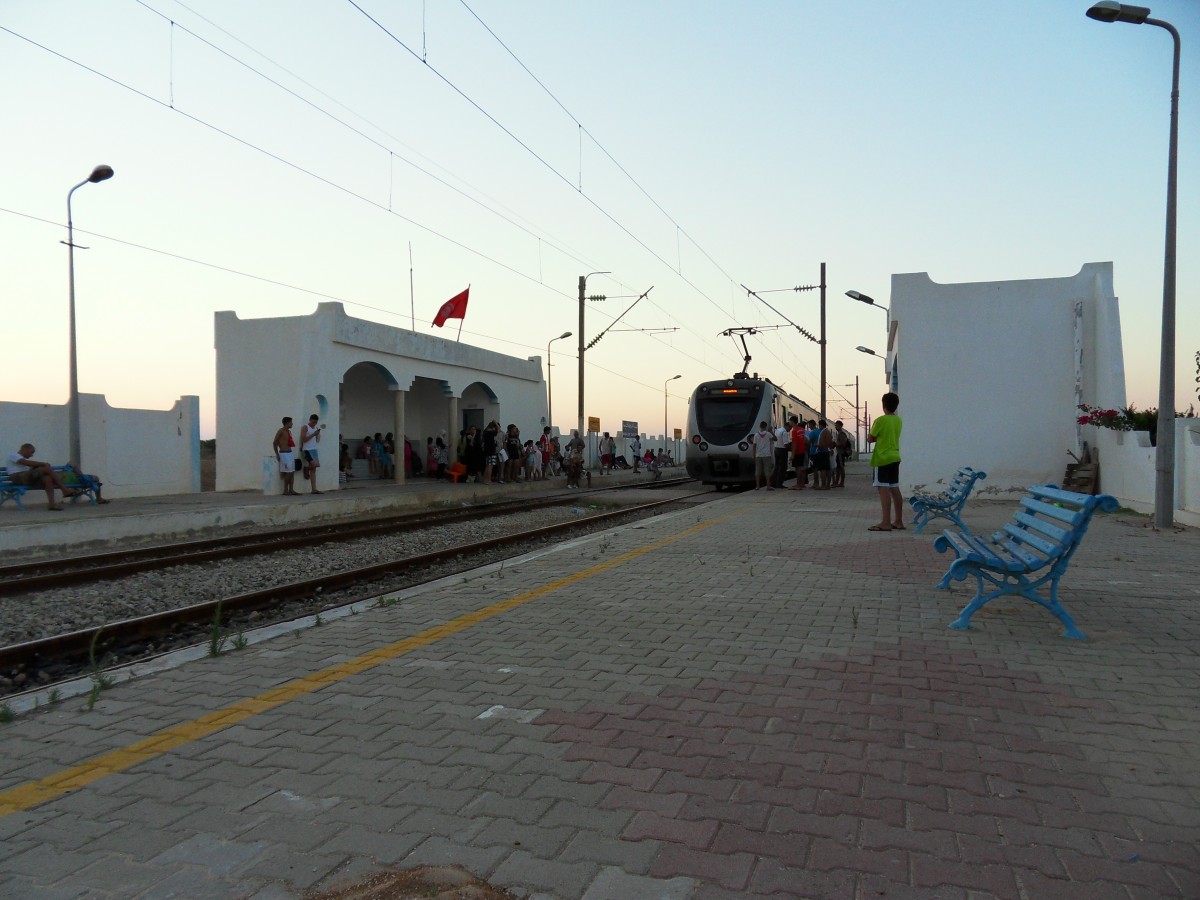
[824,344]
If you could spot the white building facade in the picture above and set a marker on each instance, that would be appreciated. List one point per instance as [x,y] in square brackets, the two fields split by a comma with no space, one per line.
[360,378]
[990,374]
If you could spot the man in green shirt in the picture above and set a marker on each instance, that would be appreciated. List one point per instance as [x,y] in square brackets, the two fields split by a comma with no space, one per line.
[885,460]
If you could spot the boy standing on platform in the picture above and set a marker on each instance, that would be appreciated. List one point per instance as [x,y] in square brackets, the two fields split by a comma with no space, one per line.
[885,462]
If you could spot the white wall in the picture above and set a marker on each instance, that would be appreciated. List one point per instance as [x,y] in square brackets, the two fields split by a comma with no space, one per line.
[1127,468]
[294,366]
[135,452]
[990,373]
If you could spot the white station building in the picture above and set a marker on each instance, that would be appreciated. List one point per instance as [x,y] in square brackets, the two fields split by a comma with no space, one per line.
[360,378]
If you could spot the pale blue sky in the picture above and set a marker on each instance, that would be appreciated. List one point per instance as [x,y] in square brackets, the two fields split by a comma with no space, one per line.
[770,137]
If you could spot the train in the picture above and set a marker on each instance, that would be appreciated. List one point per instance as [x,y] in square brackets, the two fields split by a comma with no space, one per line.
[723,415]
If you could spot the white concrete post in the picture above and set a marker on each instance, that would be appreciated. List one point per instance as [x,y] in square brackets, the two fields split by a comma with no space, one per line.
[398,432]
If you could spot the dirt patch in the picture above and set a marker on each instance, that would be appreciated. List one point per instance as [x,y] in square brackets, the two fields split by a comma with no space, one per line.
[422,883]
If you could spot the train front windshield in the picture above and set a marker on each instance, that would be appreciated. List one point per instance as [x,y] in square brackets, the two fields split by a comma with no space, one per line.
[726,420]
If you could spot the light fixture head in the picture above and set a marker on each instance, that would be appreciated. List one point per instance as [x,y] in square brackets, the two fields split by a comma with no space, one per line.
[1112,11]
[565,334]
[861,298]
[101,173]
[673,377]
[861,349]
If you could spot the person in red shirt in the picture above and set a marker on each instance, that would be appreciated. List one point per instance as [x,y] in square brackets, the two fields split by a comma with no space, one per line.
[799,454]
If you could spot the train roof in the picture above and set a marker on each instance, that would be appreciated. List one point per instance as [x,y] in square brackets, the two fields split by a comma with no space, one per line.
[743,378]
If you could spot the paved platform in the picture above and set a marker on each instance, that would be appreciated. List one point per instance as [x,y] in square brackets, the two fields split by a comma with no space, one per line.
[755,697]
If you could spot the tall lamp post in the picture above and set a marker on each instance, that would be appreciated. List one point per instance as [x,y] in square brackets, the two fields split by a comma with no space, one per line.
[665,383]
[550,379]
[100,173]
[1164,457]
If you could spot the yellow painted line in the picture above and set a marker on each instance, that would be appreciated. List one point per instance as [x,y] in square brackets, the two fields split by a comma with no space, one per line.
[28,795]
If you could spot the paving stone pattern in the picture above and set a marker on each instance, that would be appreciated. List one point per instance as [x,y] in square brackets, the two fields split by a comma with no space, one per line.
[769,705]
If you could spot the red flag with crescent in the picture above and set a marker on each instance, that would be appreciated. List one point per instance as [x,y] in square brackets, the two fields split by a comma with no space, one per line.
[454,308]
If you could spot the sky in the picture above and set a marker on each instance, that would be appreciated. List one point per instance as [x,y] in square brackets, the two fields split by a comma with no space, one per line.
[273,155]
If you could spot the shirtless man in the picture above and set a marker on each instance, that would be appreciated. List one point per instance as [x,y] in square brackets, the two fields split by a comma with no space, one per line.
[285,446]
[34,473]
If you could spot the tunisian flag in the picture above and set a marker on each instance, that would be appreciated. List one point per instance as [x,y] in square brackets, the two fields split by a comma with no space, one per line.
[454,308]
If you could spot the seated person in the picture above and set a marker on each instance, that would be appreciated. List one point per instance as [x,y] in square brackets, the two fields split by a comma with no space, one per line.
[24,470]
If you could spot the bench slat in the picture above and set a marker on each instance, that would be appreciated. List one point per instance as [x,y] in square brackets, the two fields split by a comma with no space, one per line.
[1024,535]
[1049,529]
[1070,517]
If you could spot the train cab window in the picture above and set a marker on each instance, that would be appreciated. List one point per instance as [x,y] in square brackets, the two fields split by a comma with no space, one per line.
[733,414]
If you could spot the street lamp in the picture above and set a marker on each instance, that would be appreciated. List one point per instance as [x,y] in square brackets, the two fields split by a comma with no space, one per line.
[665,383]
[1164,457]
[863,298]
[100,173]
[550,379]
[867,350]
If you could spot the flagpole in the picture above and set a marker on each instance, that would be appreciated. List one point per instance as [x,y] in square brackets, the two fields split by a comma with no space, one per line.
[412,304]
[460,321]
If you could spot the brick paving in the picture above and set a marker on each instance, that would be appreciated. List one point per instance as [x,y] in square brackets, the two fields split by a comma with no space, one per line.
[768,703]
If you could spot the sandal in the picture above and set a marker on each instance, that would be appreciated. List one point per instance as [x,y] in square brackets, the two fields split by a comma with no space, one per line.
[899,528]
[55,508]
[103,501]
[878,528]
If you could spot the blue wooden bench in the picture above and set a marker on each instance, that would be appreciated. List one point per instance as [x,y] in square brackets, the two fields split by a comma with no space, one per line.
[1032,550]
[85,486]
[948,503]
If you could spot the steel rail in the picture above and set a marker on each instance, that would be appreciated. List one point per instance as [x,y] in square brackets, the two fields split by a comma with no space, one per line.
[27,577]
[89,642]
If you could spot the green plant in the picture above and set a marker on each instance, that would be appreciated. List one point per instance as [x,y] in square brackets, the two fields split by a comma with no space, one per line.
[239,641]
[216,635]
[6,714]
[318,621]
[55,697]
[854,617]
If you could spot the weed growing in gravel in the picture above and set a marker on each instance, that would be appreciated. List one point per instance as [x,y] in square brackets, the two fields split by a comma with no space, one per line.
[216,635]
[318,621]
[100,680]
[55,697]
[385,602]
[854,617]
[239,641]
[6,714]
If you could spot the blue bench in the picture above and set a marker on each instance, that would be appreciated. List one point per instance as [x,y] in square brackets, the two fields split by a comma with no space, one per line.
[84,485]
[947,504]
[1032,550]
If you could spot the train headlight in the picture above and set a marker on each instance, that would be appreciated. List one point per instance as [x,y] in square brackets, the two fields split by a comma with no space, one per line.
[703,447]
[743,446]
[695,438]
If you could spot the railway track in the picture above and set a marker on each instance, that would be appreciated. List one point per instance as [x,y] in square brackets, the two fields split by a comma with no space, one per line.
[23,578]
[66,655]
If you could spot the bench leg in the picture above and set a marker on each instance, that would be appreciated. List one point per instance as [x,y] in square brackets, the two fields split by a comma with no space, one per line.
[1022,587]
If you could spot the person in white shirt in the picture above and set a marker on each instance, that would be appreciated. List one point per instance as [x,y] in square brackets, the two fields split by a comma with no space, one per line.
[310,436]
[24,470]
[764,459]
[783,445]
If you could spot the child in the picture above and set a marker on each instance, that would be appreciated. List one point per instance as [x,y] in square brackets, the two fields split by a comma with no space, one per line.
[885,460]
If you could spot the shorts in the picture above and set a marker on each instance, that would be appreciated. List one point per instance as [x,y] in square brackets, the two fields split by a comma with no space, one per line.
[799,461]
[763,465]
[820,461]
[287,463]
[606,459]
[311,459]
[26,477]
[887,476]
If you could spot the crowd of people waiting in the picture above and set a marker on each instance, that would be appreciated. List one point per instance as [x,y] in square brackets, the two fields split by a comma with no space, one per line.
[494,455]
